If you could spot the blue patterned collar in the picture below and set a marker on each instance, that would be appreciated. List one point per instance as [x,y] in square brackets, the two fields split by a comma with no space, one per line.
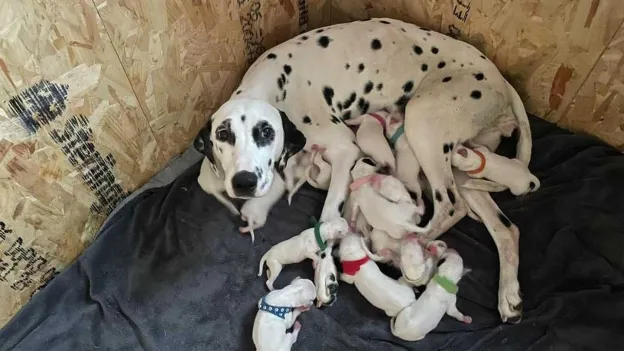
[279,311]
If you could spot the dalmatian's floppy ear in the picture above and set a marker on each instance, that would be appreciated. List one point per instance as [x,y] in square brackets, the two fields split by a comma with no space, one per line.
[294,141]
[204,145]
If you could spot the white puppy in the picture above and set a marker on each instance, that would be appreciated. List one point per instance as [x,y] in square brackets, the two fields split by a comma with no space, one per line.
[325,278]
[482,163]
[305,245]
[307,167]
[417,264]
[383,200]
[439,298]
[407,166]
[278,311]
[380,290]
[370,137]
[209,181]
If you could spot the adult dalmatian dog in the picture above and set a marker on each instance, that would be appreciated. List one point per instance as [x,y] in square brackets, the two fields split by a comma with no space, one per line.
[297,95]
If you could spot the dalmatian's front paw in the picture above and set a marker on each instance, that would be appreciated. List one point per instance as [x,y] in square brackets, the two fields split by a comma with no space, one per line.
[510,302]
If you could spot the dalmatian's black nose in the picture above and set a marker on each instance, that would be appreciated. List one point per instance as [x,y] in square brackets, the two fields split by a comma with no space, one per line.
[244,183]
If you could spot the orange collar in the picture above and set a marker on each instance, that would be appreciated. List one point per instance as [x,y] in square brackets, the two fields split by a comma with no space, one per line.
[481,166]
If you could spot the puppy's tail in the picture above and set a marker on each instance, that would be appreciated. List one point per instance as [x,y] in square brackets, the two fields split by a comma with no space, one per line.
[370,255]
[262,260]
[416,229]
[525,143]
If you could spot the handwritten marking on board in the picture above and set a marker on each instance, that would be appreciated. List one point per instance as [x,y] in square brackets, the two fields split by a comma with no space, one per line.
[303,16]
[39,104]
[252,34]
[461,9]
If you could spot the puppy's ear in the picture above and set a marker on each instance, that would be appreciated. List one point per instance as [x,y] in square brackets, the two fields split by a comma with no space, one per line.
[294,141]
[202,142]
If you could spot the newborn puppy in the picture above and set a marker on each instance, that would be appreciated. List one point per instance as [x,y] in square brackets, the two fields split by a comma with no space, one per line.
[278,311]
[325,278]
[482,163]
[302,246]
[383,200]
[417,264]
[380,290]
[439,298]
[385,247]
[371,139]
[311,168]
[407,166]
[209,181]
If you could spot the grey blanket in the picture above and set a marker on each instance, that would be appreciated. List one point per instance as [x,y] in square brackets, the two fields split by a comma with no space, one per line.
[170,271]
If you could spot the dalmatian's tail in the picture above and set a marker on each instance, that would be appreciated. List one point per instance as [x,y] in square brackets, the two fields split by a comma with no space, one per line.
[523,151]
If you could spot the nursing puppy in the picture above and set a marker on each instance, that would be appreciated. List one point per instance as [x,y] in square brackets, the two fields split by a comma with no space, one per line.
[482,163]
[299,247]
[278,311]
[370,138]
[380,290]
[383,200]
[407,166]
[307,167]
[325,278]
[439,298]
[417,263]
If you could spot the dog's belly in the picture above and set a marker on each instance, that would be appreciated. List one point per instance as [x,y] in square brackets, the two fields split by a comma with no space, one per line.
[327,75]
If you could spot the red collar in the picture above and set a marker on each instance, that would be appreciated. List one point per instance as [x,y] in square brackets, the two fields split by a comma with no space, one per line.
[352,267]
[481,166]
[379,119]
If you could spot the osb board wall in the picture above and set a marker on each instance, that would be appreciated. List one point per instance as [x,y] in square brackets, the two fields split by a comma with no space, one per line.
[564,57]
[96,97]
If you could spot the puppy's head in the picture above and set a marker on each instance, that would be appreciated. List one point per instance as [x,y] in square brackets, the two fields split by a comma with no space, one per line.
[363,167]
[246,139]
[326,279]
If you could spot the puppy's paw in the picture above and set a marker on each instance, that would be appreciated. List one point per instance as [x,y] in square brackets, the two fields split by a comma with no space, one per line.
[467,319]
[510,302]
[297,325]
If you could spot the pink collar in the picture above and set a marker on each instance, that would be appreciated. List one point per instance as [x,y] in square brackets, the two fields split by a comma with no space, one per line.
[379,119]
[374,178]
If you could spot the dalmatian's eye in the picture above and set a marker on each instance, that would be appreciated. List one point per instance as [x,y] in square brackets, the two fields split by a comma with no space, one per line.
[267,132]
[223,135]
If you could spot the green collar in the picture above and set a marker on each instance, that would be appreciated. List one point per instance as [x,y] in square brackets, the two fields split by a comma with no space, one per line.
[317,235]
[397,135]
[446,284]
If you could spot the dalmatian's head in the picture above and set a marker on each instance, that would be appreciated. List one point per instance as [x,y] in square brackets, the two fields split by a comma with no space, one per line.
[244,140]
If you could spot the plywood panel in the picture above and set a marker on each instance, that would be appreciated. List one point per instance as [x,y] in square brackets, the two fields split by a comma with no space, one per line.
[547,49]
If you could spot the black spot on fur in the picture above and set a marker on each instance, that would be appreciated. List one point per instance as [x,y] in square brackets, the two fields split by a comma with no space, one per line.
[320,30]
[347,103]
[418,50]
[376,71]
[451,196]
[461,65]
[363,105]
[454,60]
[332,277]
[307,120]
[446,148]
[263,134]
[438,196]
[280,82]
[475,94]
[441,64]
[309,83]
[341,206]
[384,22]
[271,56]
[360,68]
[328,94]
[454,97]
[243,118]
[369,161]
[434,50]
[335,119]
[403,30]
[289,55]
[305,37]
[440,262]
[402,101]
[446,79]
[379,86]
[506,222]
[347,66]
[483,57]
[479,76]
[323,254]
[452,212]
[368,87]
[270,163]
[339,105]
[531,185]
[375,44]
[323,41]
[407,87]
[424,67]
[451,145]
[287,69]
[238,92]
[346,115]
[284,95]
